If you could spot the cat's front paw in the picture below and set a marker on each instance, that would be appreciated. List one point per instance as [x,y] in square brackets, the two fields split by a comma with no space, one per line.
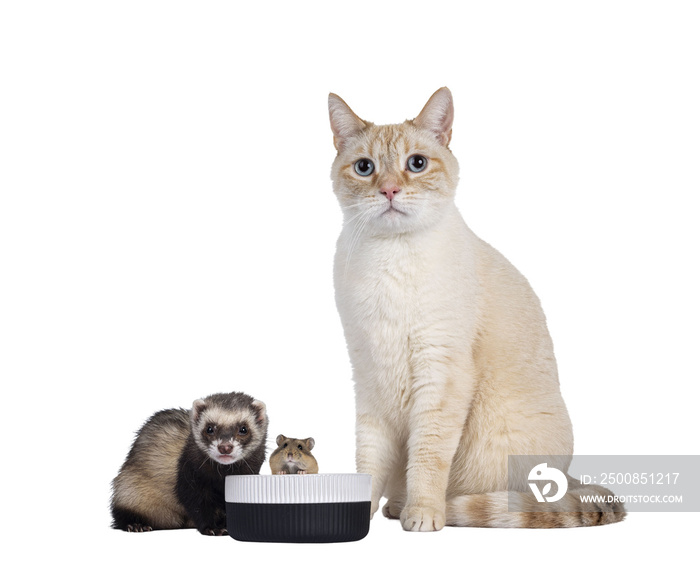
[423,519]
[392,509]
[374,507]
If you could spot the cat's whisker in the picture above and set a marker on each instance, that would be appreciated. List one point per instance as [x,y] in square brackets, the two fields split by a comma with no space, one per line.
[356,201]
[357,206]
[354,237]
[367,207]
[350,220]
[364,216]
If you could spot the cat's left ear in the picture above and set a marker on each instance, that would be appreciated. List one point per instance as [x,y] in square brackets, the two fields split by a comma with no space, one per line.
[437,116]
[344,123]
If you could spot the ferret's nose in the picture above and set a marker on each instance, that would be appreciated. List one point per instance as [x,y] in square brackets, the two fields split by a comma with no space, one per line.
[389,190]
[225,448]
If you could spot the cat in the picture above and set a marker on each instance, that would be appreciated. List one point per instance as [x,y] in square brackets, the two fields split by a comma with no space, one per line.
[453,365]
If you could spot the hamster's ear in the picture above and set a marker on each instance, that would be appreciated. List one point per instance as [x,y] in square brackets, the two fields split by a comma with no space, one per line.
[198,406]
[261,416]
[344,123]
[310,443]
[437,116]
[280,439]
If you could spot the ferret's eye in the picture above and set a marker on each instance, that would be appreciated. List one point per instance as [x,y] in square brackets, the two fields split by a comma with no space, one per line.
[299,446]
[210,430]
[243,430]
[364,167]
[417,163]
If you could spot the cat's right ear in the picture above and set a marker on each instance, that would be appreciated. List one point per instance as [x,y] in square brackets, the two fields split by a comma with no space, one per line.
[344,123]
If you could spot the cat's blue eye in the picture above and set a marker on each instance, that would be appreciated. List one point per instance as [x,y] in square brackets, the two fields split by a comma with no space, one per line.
[417,163]
[364,167]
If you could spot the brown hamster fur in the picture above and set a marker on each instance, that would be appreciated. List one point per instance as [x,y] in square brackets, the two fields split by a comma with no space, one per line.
[293,456]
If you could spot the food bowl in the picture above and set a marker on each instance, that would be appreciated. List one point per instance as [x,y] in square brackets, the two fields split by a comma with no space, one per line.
[325,507]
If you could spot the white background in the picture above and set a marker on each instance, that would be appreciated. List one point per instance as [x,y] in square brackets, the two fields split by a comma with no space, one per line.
[167,230]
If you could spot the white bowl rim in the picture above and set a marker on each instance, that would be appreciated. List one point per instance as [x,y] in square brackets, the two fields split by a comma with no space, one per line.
[299,489]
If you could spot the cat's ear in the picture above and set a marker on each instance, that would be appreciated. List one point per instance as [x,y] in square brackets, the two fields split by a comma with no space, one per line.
[344,123]
[437,116]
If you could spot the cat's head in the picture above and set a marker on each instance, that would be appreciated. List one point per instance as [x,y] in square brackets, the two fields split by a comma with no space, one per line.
[394,178]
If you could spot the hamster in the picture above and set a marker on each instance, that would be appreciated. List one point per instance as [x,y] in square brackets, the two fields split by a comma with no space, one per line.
[173,476]
[293,456]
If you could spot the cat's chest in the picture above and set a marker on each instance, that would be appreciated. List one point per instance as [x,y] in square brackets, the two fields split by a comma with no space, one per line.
[391,291]
[386,282]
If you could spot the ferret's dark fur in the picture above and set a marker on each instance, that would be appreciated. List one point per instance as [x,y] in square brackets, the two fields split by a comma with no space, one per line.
[173,476]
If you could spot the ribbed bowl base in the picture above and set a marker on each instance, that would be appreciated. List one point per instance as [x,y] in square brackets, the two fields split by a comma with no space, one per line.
[310,522]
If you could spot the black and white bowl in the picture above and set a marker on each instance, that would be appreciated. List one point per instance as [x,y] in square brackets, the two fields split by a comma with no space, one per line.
[326,507]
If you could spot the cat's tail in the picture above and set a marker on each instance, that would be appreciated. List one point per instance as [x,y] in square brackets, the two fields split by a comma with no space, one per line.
[584,505]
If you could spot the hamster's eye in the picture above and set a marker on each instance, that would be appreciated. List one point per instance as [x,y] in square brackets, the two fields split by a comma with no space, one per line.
[285,445]
[210,430]
[417,163]
[243,430]
[299,446]
[364,167]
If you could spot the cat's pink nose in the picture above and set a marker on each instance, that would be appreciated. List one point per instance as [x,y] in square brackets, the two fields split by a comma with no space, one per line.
[390,191]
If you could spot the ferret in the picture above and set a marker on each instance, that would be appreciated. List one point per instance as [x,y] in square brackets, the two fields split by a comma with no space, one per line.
[293,456]
[173,476]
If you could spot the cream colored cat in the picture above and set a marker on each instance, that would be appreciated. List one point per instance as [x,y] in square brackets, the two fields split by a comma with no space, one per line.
[453,364]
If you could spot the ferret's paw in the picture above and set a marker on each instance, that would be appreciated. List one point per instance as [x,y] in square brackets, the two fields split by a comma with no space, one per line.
[423,519]
[213,531]
[138,527]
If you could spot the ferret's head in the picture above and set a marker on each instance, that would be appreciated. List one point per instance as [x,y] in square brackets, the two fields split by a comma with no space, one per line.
[228,426]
